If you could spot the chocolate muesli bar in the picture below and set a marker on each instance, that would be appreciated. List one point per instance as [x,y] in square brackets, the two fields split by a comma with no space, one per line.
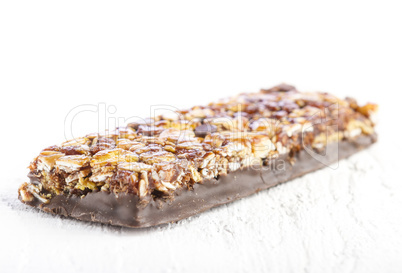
[167,168]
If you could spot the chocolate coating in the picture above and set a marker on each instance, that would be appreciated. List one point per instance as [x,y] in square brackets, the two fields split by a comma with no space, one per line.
[205,129]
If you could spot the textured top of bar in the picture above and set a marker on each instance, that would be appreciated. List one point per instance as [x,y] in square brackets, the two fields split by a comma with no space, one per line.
[156,156]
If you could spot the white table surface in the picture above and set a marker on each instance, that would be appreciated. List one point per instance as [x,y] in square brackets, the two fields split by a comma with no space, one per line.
[55,56]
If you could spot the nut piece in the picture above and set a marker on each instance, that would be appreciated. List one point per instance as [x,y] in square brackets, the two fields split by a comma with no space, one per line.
[25,194]
[101,176]
[28,191]
[134,166]
[195,176]
[262,145]
[84,183]
[113,156]
[158,157]
[208,160]
[127,144]
[72,163]
[356,127]
[171,133]
[143,184]
[266,125]
[137,146]
[292,129]
[368,109]
[47,160]
[215,140]
[189,146]
[175,135]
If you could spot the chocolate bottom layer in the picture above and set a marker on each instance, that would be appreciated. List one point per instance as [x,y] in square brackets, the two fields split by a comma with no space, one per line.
[129,211]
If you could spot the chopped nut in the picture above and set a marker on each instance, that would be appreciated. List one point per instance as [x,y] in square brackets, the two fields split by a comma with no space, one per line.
[223,166]
[125,144]
[281,149]
[266,125]
[208,173]
[158,157]
[47,160]
[171,133]
[183,125]
[359,126]
[84,183]
[261,145]
[222,123]
[189,146]
[170,148]
[143,184]
[237,148]
[126,133]
[368,109]
[72,163]
[207,159]
[144,149]
[25,194]
[194,174]
[175,135]
[101,177]
[149,130]
[168,185]
[291,129]
[134,166]
[135,146]
[28,191]
[113,156]
[215,140]
[76,175]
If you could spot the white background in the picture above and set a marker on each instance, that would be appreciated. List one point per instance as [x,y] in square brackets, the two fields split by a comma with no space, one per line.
[56,55]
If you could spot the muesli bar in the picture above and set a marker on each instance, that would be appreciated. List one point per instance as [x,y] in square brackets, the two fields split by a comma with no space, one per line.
[169,167]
